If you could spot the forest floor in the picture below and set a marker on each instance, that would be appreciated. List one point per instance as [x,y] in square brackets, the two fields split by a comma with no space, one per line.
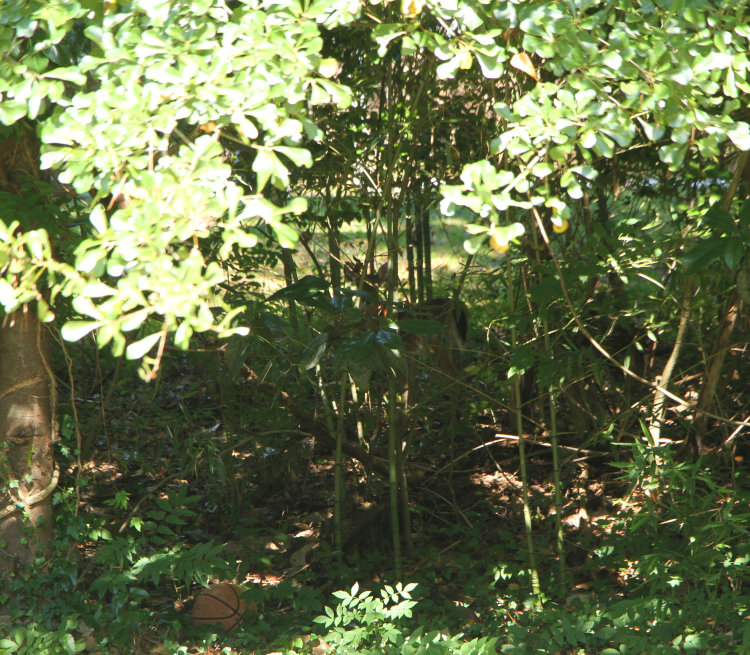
[179,496]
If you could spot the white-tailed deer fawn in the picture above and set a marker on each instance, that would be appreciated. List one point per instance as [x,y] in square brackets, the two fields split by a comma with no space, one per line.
[438,329]
[435,329]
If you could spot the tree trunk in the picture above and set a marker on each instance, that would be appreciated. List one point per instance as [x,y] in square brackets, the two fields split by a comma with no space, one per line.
[27,471]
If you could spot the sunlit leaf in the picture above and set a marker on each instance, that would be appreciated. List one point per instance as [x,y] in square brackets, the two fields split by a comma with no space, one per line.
[523,62]
[75,330]
[329,67]
[411,8]
[139,348]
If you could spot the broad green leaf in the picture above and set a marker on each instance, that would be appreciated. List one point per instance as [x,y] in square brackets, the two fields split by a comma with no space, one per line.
[287,235]
[7,296]
[473,245]
[70,74]
[733,253]
[182,335]
[139,348]
[300,156]
[683,75]
[740,135]
[265,166]
[308,289]
[362,349]
[314,350]
[588,140]
[491,64]
[652,132]
[543,169]
[612,60]
[12,110]
[133,321]
[604,145]
[297,205]
[84,305]
[673,154]
[448,69]
[587,171]
[98,219]
[423,327]
[75,330]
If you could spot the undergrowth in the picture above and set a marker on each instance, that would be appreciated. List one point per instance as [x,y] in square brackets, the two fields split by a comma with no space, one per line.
[676,584]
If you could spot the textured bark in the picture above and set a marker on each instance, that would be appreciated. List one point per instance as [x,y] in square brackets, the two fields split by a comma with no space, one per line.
[27,473]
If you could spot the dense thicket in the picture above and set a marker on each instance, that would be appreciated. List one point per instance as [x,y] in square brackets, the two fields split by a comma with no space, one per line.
[303,294]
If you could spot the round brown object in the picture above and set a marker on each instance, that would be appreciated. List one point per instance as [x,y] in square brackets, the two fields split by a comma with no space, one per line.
[219,605]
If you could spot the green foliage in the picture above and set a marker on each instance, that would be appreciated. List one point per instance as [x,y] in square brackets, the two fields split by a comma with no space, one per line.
[155,549]
[52,611]
[162,71]
[365,623]
[726,240]
[188,143]
[34,639]
[699,532]
[596,101]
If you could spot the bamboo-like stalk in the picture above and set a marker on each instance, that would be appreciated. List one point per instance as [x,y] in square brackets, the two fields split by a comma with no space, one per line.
[393,443]
[535,586]
[389,209]
[559,533]
[404,497]
[290,276]
[338,481]
[335,433]
[730,313]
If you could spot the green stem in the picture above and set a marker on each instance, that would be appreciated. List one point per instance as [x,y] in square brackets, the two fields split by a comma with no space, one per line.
[393,443]
[338,483]
[556,469]
[535,586]
[334,432]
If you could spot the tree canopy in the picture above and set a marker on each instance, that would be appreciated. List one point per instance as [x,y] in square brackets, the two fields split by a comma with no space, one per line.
[170,121]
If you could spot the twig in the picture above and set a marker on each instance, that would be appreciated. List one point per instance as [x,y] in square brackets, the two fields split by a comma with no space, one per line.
[734,434]
[513,437]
